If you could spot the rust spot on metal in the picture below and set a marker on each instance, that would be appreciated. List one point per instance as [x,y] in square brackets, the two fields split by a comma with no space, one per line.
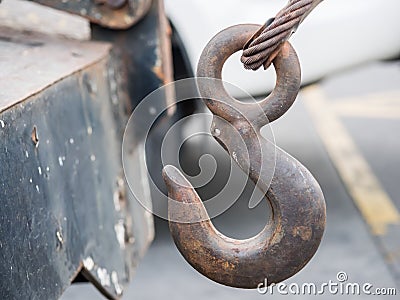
[285,49]
[159,72]
[302,231]
[35,137]
[119,197]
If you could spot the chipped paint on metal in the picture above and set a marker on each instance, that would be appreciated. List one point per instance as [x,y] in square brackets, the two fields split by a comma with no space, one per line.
[120,233]
[88,263]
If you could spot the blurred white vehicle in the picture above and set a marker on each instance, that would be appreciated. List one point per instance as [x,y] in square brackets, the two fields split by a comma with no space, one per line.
[338,34]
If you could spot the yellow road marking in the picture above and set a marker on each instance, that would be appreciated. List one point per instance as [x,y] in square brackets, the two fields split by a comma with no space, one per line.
[373,202]
[382,106]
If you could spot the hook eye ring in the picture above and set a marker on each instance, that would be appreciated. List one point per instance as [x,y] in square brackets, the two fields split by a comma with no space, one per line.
[212,60]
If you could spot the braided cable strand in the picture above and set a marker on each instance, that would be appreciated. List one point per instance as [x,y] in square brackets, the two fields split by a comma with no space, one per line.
[265,45]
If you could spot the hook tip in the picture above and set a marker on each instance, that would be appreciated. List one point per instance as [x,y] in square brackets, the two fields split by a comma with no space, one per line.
[180,191]
[174,178]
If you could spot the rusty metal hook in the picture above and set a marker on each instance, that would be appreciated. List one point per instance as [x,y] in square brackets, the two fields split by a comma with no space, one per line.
[295,229]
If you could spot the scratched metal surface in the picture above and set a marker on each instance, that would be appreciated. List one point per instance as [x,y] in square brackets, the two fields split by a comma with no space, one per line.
[32,17]
[31,62]
[118,16]
[65,206]
[67,209]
